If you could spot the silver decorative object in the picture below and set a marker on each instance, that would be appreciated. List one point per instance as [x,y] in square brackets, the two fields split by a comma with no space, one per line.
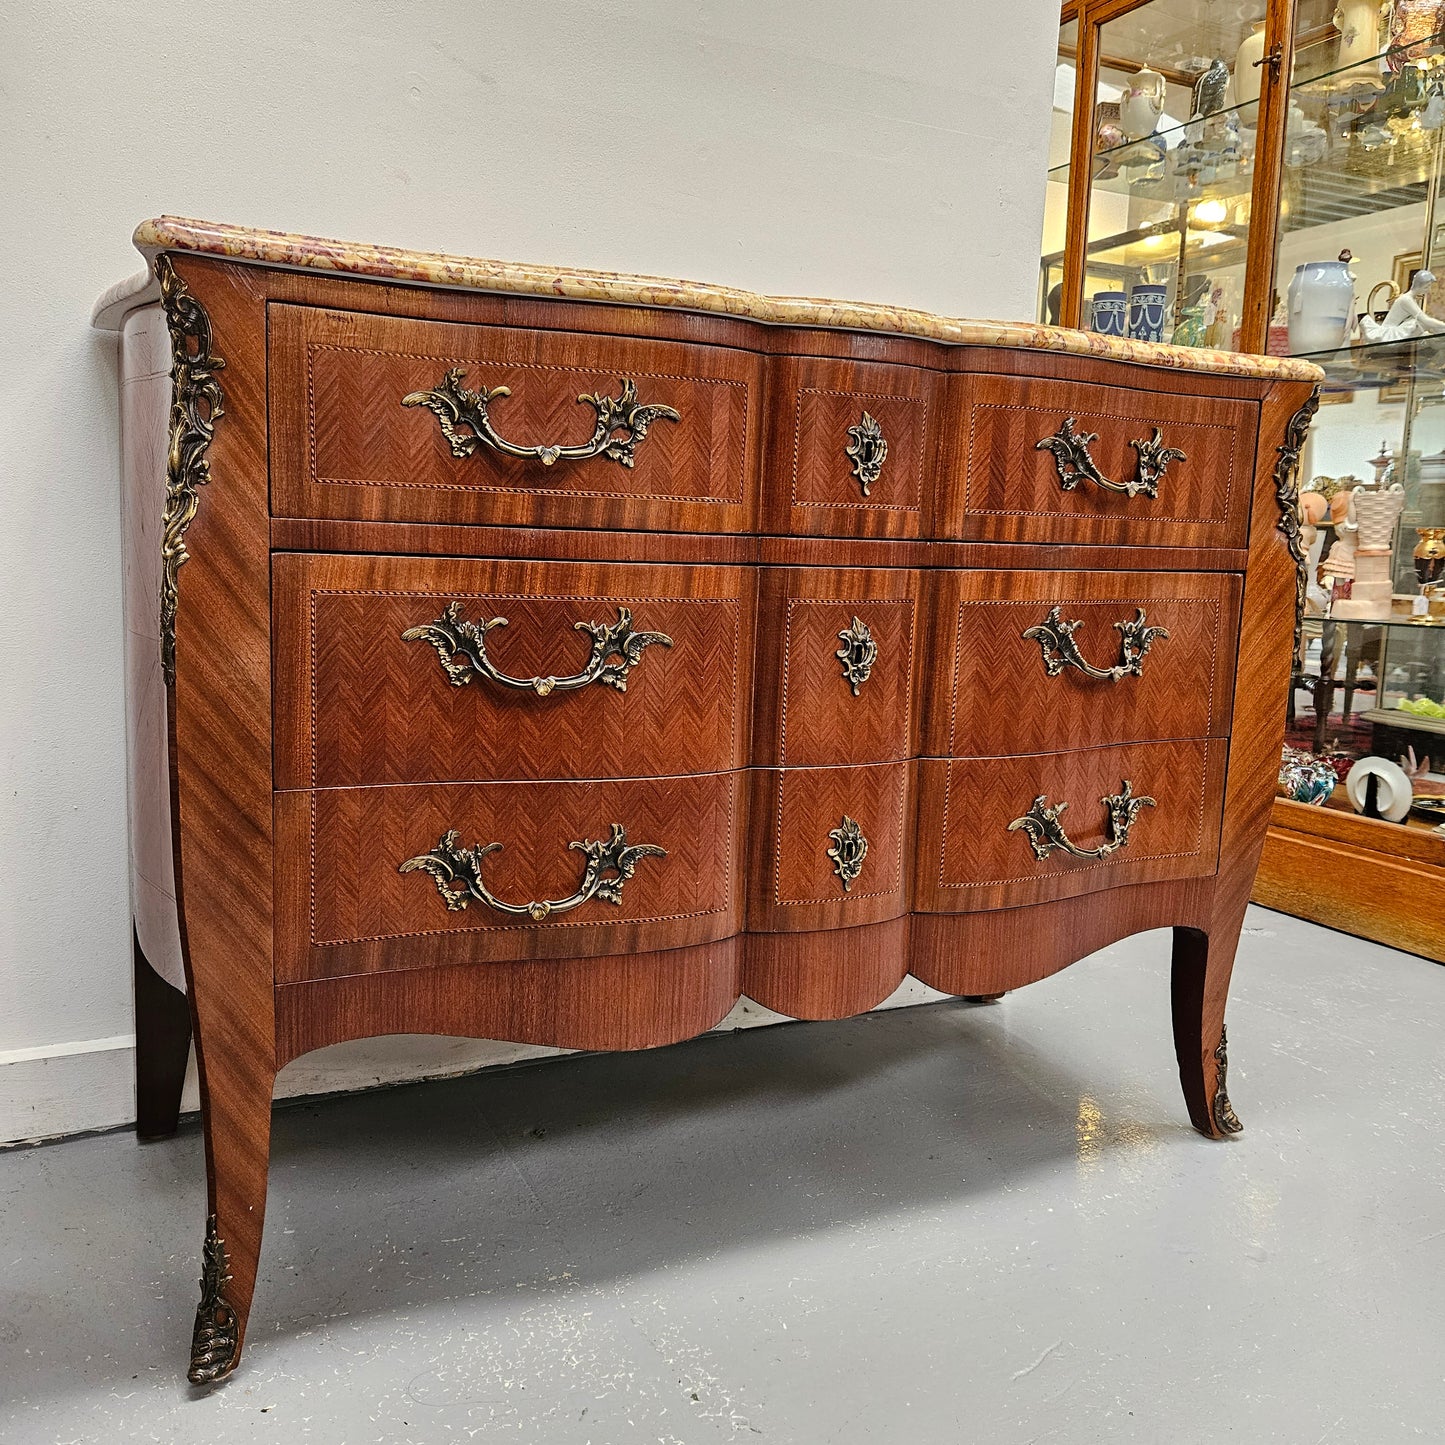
[1305,778]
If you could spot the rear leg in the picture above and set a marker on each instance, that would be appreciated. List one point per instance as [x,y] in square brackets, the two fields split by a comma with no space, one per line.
[1202,966]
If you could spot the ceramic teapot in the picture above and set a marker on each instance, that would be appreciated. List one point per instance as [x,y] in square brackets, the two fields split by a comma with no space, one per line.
[1141,104]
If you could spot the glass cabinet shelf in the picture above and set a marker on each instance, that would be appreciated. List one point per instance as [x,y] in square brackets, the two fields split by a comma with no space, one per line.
[1368,366]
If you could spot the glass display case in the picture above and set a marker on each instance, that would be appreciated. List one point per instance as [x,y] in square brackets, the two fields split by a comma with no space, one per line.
[1297,213]
[1175,113]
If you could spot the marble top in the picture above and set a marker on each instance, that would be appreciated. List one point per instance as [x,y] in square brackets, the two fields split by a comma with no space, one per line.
[429,268]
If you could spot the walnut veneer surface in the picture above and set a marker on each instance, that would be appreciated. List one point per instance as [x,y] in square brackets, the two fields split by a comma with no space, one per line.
[559,670]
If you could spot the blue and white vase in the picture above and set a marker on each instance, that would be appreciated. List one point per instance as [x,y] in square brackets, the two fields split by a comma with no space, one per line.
[1321,306]
[1147,310]
[1107,312]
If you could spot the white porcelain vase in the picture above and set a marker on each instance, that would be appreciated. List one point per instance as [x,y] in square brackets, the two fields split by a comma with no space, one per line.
[1245,80]
[1361,39]
[1321,306]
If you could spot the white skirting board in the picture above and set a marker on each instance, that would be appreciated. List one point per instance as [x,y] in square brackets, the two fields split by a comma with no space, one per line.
[50,1091]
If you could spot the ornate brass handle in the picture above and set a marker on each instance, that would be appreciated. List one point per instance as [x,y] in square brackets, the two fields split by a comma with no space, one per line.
[449,863]
[1073,462]
[462,648]
[849,850]
[866,451]
[857,655]
[1046,831]
[1056,638]
[622,422]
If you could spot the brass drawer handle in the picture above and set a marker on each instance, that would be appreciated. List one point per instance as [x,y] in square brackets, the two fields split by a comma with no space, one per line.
[462,648]
[1046,832]
[449,863]
[1073,462]
[866,451]
[857,655]
[1056,638]
[622,422]
[849,850]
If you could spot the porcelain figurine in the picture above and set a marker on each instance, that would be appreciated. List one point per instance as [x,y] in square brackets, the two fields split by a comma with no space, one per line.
[1433,116]
[1407,319]
[1321,303]
[1141,104]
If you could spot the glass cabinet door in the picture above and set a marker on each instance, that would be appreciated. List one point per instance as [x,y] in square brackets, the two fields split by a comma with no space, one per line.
[1176,122]
[1056,190]
[1170,235]
[1360,218]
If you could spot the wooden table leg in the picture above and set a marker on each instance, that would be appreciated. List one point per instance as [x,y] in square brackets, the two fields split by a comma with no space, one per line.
[1203,963]
[162,1048]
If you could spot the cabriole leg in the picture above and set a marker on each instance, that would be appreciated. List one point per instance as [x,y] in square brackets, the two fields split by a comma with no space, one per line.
[162,1046]
[1200,983]
[237,1120]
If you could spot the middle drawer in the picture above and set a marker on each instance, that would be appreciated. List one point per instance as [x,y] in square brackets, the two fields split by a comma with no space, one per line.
[1041,662]
[412,670]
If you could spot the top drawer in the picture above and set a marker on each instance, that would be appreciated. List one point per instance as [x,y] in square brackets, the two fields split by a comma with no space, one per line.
[346,443]
[851,447]
[1042,460]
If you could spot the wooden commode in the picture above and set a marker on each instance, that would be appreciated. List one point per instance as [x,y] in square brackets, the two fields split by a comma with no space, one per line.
[556,657]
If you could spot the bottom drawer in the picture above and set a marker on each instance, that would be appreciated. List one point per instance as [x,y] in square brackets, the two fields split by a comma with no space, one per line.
[997,832]
[563,883]
[828,847]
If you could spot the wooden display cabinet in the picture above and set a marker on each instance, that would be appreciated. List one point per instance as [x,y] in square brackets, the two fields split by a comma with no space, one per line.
[1339,152]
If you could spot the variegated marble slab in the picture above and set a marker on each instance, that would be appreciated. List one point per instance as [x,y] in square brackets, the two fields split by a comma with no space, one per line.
[429,268]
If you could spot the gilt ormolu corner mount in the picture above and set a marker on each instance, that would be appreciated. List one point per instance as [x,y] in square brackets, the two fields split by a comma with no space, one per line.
[744,660]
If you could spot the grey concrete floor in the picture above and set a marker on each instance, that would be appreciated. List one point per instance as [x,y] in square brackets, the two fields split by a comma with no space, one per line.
[943,1224]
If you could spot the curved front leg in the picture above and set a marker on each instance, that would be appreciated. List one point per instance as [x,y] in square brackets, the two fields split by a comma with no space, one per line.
[1202,966]
[237,1122]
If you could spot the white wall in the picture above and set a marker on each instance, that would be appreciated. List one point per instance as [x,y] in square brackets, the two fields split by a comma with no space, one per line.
[888,152]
